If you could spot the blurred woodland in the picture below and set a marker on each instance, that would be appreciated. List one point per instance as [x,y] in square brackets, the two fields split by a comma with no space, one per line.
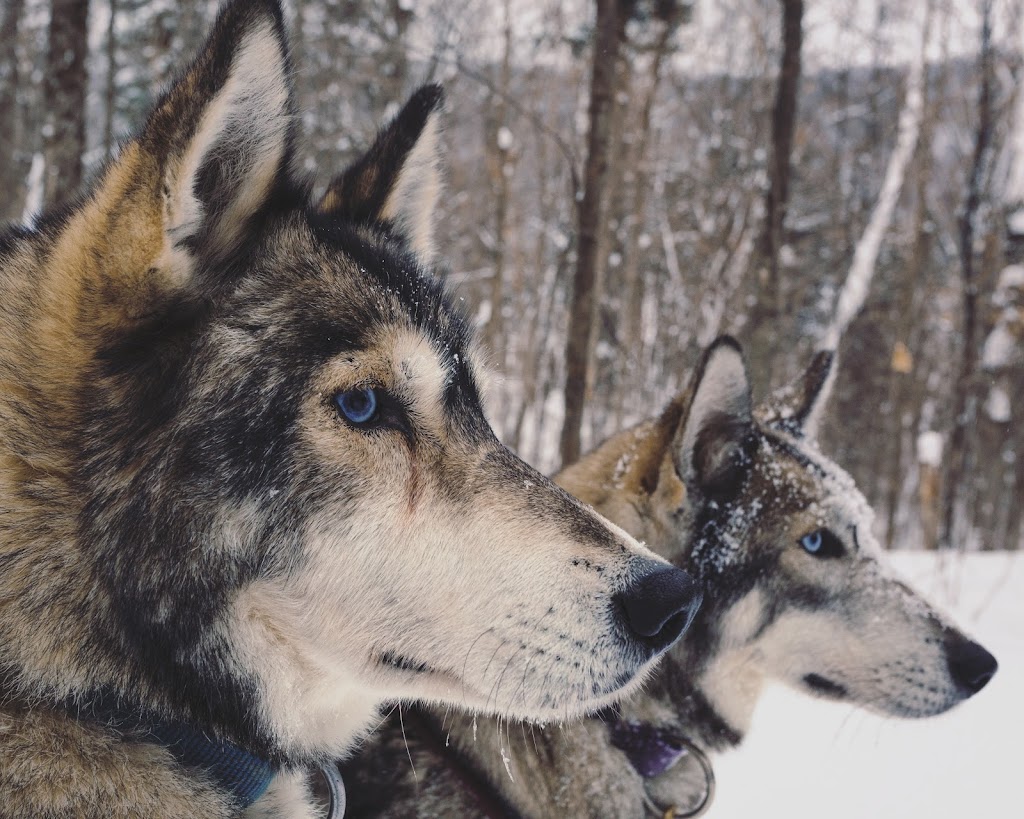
[629,178]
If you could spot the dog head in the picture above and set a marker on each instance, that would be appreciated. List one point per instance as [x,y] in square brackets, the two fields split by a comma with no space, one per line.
[797,586]
[287,502]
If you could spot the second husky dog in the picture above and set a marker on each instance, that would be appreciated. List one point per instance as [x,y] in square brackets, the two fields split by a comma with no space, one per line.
[247,490]
[796,590]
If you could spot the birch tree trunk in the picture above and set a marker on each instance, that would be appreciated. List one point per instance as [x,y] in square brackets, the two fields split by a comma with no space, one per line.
[865,257]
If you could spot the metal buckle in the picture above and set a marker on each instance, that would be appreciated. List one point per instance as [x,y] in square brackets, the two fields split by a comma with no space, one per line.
[336,789]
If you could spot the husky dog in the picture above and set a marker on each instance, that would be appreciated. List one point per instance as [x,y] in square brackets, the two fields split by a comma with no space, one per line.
[796,590]
[247,490]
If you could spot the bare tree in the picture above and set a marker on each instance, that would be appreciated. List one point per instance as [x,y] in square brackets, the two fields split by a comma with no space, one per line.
[762,331]
[499,153]
[865,257]
[8,101]
[669,16]
[784,115]
[110,95]
[66,82]
[965,398]
[610,31]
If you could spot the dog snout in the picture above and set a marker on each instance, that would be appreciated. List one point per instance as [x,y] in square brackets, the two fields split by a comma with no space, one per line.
[970,665]
[659,606]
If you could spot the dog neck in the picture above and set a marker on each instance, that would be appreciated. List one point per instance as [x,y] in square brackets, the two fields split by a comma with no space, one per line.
[727,692]
[713,720]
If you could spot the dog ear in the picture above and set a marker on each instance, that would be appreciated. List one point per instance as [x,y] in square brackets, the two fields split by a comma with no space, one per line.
[711,446]
[798,407]
[817,389]
[223,133]
[397,182]
[183,195]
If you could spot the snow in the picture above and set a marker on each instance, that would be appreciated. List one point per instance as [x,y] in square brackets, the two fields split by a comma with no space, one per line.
[505,139]
[997,405]
[810,758]
[34,196]
[929,448]
[1011,276]
[999,348]
[1015,223]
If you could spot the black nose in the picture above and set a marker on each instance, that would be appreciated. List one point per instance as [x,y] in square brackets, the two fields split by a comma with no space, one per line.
[660,606]
[969,664]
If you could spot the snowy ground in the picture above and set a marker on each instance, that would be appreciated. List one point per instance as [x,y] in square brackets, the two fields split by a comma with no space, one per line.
[808,758]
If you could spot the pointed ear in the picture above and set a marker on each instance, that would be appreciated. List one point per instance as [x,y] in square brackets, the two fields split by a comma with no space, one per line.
[398,181]
[798,407]
[712,444]
[817,389]
[221,137]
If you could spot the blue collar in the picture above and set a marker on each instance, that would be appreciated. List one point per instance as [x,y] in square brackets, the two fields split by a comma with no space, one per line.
[242,774]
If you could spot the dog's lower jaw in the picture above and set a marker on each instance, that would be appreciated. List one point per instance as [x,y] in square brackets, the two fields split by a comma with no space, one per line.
[313,724]
[732,684]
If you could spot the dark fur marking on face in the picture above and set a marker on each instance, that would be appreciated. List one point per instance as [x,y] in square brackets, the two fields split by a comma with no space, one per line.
[808,597]
[403,663]
[825,687]
[392,267]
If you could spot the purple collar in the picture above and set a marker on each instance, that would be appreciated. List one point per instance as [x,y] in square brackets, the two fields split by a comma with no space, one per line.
[650,749]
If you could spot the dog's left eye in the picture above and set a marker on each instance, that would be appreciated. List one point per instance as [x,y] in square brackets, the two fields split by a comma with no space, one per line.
[822,543]
[358,406]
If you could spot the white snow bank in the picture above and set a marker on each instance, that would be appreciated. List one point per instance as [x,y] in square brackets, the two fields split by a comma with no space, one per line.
[809,758]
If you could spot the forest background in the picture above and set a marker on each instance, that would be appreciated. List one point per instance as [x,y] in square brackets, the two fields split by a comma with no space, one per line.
[629,178]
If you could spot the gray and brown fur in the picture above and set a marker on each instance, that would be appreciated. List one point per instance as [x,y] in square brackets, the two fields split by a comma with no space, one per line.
[188,525]
[726,490]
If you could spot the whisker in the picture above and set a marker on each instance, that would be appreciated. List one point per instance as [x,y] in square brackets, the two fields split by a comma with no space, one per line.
[465,663]
[408,751]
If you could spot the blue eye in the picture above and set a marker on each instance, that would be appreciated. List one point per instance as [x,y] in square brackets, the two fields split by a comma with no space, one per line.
[822,543]
[812,542]
[358,406]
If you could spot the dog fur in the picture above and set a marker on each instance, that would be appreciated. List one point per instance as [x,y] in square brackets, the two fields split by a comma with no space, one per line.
[727,491]
[188,525]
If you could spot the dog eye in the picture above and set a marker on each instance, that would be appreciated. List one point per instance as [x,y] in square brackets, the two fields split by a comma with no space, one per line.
[822,543]
[358,406]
